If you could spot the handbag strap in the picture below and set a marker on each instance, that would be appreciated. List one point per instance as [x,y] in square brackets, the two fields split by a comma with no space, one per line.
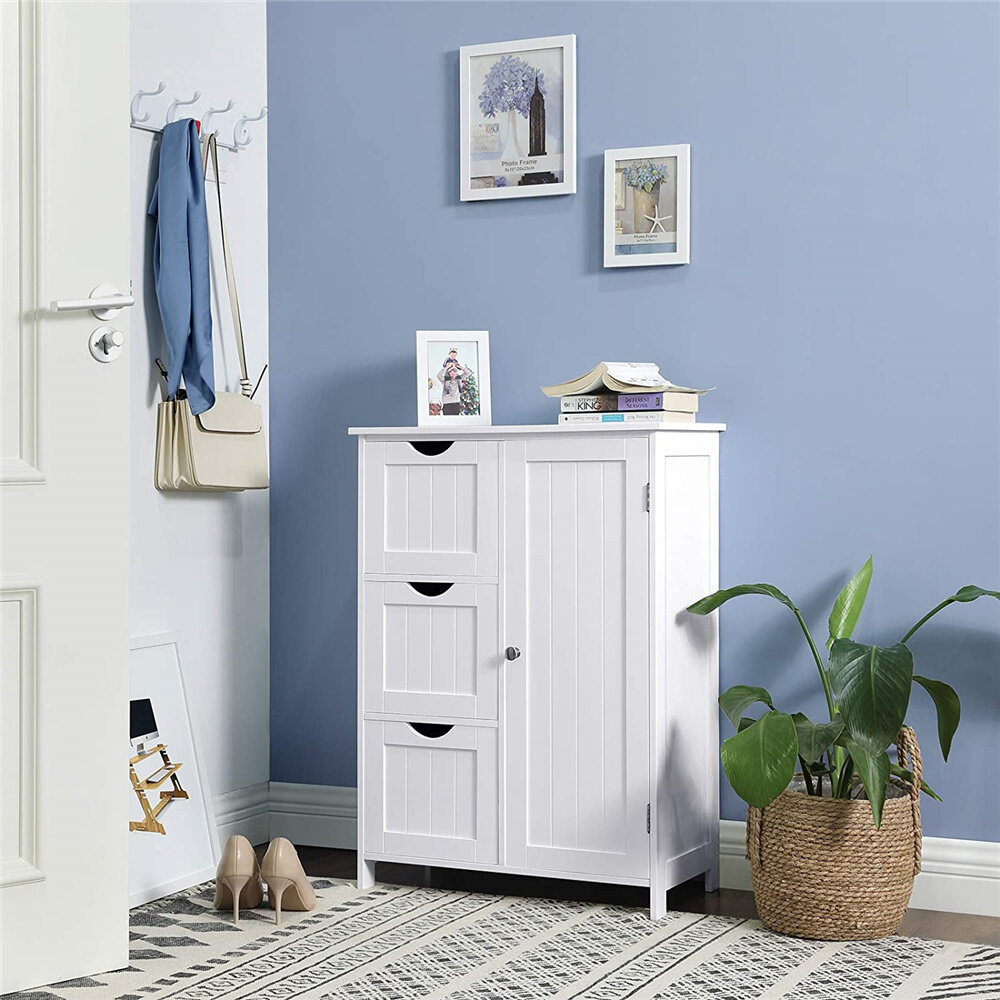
[209,149]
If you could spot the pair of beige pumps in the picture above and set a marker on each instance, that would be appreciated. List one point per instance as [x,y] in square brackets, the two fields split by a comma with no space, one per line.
[238,878]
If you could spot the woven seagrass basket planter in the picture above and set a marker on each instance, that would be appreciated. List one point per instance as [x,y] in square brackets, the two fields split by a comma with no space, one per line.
[821,869]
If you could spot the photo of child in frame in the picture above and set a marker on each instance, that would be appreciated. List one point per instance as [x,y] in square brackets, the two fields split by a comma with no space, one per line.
[453,378]
[453,391]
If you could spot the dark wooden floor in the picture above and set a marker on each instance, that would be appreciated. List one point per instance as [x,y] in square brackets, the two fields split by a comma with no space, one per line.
[689,898]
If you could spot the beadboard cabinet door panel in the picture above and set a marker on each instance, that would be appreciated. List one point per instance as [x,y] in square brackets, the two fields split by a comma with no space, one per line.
[431,655]
[431,514]
[576,702]
[432,796]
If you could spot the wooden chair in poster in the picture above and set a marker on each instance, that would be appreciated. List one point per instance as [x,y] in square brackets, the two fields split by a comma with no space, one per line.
[150,823]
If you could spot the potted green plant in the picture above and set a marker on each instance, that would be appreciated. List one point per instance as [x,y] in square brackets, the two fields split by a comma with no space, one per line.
[833,821]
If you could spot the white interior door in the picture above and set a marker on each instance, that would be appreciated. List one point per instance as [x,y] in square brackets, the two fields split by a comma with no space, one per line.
[575,702]
[64,492]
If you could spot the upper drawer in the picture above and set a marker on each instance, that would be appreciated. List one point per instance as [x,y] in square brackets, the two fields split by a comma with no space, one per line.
[431,514]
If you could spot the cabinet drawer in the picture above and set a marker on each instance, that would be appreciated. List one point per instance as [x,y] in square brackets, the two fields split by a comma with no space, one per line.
[431,514]
[431,655]
[431,794]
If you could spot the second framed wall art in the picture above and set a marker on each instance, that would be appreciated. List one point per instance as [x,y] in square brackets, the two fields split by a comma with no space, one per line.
[647,206]
[518,118]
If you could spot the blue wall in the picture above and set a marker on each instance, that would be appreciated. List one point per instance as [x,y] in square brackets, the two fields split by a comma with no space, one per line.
[842,296]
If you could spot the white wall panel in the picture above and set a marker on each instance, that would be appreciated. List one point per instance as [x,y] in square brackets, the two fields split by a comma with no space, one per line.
[200,562]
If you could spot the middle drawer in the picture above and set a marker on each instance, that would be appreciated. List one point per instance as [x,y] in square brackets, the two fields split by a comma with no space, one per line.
[431,649]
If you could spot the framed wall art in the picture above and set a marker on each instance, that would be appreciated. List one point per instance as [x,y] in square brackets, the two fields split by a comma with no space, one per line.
[518,118]
[453,378]
[647,206]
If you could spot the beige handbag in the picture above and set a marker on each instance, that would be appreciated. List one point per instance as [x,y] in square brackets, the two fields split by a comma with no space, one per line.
[223,448]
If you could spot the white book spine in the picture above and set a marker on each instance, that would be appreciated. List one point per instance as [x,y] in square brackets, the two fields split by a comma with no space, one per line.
[649,417]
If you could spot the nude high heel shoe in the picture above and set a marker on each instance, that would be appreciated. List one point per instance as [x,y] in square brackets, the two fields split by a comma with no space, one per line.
[237,879]
[287,884]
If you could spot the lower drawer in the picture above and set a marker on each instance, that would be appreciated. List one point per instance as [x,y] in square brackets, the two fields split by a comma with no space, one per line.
[431,791]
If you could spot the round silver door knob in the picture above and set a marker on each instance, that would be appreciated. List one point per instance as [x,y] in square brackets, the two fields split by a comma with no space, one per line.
[106,343]
[512,652]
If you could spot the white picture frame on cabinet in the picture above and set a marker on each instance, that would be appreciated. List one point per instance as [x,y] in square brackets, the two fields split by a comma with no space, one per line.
[647,206]
[518,118]
[453,378]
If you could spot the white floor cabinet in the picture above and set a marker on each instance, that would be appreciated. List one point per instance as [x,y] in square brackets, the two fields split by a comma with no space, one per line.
[532,698]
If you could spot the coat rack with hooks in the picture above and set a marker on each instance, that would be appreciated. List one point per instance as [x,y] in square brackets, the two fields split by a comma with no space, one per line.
[241,134]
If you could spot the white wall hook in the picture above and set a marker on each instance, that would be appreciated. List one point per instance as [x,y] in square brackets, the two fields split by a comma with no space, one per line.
[177,103]
[206,117]
[241,136]
[134,106]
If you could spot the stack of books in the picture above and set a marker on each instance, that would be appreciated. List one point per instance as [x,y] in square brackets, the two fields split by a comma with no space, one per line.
[617,392]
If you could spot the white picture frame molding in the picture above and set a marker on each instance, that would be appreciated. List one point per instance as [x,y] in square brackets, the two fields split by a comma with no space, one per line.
[187,880]
[568,184]
[482,340]
[682,255]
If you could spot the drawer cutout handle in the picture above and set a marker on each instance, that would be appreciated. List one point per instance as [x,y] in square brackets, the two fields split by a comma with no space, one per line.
[430,588]
[431,448]
[432,730]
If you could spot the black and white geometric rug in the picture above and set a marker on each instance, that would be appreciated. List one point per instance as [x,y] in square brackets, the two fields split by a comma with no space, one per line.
[405,943]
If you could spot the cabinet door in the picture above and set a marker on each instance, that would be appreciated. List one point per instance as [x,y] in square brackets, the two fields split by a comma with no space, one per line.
[576,710]
[431,651]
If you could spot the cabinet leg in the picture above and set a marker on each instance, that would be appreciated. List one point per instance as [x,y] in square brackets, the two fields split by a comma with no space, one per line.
[366,873]
[657,902]
[712,878]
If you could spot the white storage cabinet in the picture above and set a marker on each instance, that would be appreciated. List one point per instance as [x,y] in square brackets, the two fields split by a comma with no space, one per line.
[531,698]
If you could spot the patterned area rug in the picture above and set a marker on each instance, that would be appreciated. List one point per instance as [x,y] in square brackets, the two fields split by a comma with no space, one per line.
[404,943]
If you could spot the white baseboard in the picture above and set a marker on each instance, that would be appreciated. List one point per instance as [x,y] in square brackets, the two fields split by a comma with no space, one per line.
[319,815]
[959,876]
[244,811]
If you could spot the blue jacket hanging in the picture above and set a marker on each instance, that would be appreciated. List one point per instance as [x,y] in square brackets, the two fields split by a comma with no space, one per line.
[181,264]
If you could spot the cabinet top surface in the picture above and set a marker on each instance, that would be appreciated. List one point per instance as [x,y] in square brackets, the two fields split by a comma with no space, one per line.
[514,430]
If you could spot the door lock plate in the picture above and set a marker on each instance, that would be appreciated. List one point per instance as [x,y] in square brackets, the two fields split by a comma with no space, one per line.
[106,343]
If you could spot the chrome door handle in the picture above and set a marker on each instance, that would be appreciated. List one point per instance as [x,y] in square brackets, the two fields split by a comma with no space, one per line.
[512,652]
[105,302]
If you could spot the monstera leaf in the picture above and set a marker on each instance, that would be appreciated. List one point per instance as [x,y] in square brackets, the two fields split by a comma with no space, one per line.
[850,601]
[708,604]
[949,709]
[739,698]
[961,596]
[970,593]
[872,687]
[760,760]
[815,738]
[873,766]
[907,775]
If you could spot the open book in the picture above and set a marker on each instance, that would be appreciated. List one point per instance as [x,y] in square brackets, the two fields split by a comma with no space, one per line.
[618,376]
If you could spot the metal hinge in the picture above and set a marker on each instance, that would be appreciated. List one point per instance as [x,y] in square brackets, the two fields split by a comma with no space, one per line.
[647,817]
[647,498]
